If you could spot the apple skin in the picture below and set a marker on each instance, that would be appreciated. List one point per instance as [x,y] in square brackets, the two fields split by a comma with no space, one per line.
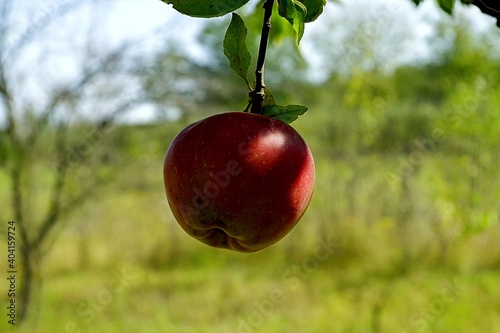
[238,180]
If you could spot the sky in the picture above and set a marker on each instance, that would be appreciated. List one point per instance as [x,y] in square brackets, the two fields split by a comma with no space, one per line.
[154,13]
[121,20]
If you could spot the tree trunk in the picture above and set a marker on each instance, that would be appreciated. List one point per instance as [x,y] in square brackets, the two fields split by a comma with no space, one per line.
[26,287]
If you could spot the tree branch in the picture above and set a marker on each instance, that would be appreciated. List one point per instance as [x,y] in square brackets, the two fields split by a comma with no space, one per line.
[258,94]
[489,7]
[58,207]
[5,10]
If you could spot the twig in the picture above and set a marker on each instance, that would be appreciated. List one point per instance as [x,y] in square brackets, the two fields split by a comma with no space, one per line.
[258,94]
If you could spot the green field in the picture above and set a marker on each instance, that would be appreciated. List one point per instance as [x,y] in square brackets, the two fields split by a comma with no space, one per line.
[225,293]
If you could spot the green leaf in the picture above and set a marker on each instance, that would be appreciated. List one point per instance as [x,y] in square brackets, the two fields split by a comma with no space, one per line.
[446,5]
[314,9]
[295,13]
[205,8]
[235,47]
[269,99]
[287,114]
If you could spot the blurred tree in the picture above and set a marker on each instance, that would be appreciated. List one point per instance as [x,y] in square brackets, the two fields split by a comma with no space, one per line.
[470,120]
[192,87]
[488,7]
[58,101]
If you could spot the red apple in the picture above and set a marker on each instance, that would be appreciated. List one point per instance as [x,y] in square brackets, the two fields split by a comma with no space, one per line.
[238,180]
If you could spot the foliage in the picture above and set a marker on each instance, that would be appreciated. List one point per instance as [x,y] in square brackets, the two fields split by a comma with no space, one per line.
[296,12]
[287,114]
[235,47]
[490,7]
[206,8]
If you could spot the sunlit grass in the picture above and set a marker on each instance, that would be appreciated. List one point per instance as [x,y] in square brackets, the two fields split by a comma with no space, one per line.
[237,298]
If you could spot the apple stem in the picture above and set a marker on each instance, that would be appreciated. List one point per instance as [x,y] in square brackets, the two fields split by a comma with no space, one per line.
[258,94]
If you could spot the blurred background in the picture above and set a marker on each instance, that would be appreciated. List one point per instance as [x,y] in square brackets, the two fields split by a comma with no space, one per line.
[402,231]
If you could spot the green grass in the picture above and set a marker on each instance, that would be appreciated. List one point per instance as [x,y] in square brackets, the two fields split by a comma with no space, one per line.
[254,296]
